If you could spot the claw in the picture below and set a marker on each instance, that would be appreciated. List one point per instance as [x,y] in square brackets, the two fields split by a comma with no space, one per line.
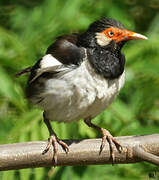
[52,141]
[107,136]
[64,145]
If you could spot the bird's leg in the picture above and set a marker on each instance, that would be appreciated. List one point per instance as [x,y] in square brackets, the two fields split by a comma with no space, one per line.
[105,136]
[53,140]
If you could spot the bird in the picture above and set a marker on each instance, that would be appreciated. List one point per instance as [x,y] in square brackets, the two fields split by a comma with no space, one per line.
[80,75]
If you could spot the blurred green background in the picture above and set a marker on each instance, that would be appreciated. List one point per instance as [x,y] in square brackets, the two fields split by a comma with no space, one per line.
[27,28]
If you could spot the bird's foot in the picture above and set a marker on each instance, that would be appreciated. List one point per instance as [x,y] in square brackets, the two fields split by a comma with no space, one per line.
[52,141]
[107,136]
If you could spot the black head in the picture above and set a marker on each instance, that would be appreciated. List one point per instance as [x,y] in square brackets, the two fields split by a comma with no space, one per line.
[104,40]
[107,33]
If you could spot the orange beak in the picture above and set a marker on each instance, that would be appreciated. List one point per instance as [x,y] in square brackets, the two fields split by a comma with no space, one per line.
[129,35]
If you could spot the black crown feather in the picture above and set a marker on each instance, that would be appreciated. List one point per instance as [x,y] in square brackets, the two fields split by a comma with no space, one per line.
[102,24]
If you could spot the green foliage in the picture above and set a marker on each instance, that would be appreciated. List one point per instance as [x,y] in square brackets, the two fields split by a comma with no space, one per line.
[28,28]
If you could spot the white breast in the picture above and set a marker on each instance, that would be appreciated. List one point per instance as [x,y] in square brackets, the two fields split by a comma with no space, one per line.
[79,94]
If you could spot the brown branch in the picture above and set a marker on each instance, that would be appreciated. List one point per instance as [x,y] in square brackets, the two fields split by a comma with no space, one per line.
[82,152]
[146,156]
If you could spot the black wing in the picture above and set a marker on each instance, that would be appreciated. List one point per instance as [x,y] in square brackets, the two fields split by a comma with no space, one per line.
[64,49]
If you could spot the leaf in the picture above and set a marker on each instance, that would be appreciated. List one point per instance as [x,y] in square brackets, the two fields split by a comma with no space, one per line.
[8,175]
[9,90]
[25,174]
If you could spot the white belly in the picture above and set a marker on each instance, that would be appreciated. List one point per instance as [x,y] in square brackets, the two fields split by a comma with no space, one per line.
[79,94]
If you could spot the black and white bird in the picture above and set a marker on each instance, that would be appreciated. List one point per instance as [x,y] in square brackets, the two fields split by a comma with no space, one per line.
[80,76]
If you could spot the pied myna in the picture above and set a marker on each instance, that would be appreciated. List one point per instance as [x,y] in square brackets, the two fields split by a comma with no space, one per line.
[79,77]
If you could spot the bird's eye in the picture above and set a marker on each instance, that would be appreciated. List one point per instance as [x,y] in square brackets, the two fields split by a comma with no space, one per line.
[111,33]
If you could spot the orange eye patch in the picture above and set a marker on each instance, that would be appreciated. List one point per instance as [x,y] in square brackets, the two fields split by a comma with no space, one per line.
[112,32]
[119,35]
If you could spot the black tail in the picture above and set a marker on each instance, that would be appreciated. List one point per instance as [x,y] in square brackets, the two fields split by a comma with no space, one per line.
[24,71]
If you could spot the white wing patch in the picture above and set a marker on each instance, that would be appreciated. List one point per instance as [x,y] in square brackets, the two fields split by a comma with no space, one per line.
[47,64]
[49,61]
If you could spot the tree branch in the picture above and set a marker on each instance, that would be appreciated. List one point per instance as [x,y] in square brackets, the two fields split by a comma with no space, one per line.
[82,152]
